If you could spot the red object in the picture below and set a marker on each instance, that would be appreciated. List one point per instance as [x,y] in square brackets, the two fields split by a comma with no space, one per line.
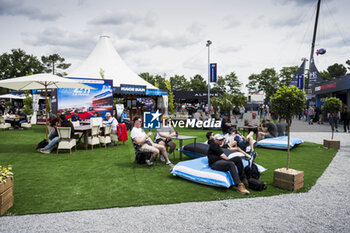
[122,132]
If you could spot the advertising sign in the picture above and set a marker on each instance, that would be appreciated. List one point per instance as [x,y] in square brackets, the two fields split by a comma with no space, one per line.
[132,89]
[86,101]
[213,72]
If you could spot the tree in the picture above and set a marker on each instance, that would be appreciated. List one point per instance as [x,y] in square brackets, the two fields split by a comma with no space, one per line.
[170,97]
[18,63]
[27,102]
[325,75]
[197,83]
[229,84]
[147,77]
[179,83]
[161,81]
[267,81]
[348,63]
[332,105]
[336,70]
[286,74]
[287,102]
[55,63]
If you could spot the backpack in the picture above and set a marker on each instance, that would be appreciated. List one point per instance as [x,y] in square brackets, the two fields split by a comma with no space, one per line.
[252,172]
[142,156]
[42,144]
[256,184]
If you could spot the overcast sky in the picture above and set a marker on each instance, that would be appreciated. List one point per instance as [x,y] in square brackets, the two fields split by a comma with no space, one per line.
[169,37]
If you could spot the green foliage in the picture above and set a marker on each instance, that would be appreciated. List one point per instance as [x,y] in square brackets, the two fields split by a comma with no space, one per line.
[158,81]
[8,103]
[27,102]
[227,101]
[197,83]
[286,74]
[170,97]
[348,63]
[147,77]
[336,70]
[229,84]
[179,83]
[5,172]
[55,63]
[325,75]
[288,101]
[18,63]
[332,105]
[267,81]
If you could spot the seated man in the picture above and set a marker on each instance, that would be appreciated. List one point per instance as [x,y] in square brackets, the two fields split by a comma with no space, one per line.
[145,143]
[75,116]
[111,121]
[163,136]
[64,123]
[54,122]
[234,141]
[219,161]
[281,127]
[254,121]
[225,124]
[210,137]
[269,130]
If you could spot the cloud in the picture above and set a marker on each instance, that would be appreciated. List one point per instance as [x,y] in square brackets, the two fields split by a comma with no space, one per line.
[298,2]
[289,21]
[230,48]
[124,17]
[17,8]
[231,22]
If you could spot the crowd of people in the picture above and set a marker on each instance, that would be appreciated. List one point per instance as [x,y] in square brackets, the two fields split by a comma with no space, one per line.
[13,116]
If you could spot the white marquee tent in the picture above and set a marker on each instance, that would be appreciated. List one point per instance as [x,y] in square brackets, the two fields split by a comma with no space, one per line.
[104,58]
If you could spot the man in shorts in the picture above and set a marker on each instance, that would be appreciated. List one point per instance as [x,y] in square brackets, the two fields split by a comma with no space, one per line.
[164,134]
[145,143]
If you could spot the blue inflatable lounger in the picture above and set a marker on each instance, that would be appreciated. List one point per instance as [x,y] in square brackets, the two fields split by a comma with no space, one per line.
[279,142]
[198,170]
[198,150]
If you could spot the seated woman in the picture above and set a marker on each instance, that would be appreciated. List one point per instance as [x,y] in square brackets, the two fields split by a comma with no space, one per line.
[64,123]
[163,136]
[235,141]
[10,117]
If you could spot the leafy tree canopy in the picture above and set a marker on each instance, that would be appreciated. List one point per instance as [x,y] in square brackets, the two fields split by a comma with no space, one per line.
[229,84]
[197,83]
[348,63]
[332,105]
[179,83]
[267,81]
[54,64]
[286,74]
[336,70]
[18,63]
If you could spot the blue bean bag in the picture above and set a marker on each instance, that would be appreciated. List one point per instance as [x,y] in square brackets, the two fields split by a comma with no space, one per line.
[279,142]
[198,170]
[198,150]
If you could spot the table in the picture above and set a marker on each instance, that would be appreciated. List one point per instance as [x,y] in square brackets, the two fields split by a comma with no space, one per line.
[248,128]
[85,129]
[183,137]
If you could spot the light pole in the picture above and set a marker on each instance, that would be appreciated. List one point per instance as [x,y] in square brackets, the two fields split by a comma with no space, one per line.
[208,45]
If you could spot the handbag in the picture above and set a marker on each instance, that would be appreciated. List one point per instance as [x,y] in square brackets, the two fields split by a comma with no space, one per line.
[256,184]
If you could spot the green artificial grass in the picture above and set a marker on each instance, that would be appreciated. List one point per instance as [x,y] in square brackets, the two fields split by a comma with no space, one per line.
[104,178]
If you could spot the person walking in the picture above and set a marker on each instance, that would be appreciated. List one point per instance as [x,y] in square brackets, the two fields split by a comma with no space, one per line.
[333,120]
[311,114]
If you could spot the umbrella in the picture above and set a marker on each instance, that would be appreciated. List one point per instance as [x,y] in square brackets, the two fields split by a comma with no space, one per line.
[41,81]
[12,96]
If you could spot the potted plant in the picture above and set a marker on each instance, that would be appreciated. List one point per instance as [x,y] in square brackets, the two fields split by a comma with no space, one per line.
[6,188]
[286,102]
[332,106]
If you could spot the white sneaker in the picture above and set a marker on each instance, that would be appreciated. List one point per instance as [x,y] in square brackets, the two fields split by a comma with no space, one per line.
[149,163]
[161,157]
[170,164]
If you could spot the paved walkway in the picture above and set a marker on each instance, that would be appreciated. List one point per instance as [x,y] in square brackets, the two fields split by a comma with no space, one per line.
[325,208]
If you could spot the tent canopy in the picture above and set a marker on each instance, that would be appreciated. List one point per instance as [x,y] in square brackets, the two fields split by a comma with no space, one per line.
[105,59]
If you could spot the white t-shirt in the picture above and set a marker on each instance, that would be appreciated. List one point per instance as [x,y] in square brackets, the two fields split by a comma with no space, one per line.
[138,133]
[254,121]
[164,129]
[228,137]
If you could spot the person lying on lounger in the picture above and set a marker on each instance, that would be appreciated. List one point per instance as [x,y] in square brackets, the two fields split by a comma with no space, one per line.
[219,161]
[269,130]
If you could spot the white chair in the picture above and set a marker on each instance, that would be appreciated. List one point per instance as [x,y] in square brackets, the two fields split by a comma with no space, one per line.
[65,142]
[27,125]
[114,138]
[75,124]
[94,138]
[107,136]
[3,124]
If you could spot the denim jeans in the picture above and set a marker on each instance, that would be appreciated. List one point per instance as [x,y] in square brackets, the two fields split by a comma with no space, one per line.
[52,144]
[333,121]
[53,135]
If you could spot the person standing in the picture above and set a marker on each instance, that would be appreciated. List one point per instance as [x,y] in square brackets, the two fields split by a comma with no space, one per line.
[242,111]
[219,161]
[311,114]
[333,120]
[345,116]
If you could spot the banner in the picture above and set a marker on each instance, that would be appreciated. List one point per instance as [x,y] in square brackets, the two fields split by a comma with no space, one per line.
[86,101]
[213,72]
[298,79]
[314,75]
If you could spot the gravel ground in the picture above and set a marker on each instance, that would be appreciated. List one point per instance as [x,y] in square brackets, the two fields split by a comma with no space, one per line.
[325,208]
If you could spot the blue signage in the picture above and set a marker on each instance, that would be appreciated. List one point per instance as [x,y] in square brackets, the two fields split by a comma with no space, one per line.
[213,73]
[132,89]
[151,120]
[300,81]
[156,92]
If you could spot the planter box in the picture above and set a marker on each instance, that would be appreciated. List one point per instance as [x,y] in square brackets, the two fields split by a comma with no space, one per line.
[331,144]
[6,195]
[288,179]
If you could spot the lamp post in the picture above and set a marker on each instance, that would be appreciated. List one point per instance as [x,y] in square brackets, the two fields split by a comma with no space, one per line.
[208,45]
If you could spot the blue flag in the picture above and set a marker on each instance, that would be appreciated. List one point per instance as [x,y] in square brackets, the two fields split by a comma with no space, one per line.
[213,72]
[298,78]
